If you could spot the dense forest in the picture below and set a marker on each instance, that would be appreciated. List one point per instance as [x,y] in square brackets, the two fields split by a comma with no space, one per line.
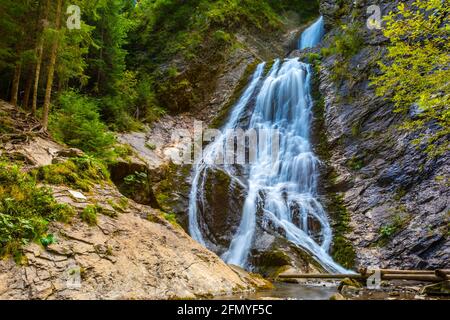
[118,68]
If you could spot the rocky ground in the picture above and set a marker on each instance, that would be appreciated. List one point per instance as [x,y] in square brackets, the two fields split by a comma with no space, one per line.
[133,252]
[135,255]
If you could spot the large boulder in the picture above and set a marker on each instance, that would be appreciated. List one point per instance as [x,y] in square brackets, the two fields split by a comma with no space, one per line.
[221,208]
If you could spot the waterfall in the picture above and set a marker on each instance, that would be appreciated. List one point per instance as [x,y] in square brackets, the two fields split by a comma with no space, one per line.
[210,154]
[283,186]
[312,35]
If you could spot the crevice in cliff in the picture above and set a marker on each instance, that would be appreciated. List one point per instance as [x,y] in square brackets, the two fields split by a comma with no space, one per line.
[342,249]
[133,181]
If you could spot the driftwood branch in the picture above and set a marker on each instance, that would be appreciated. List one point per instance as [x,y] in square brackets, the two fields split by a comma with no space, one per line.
[385,274]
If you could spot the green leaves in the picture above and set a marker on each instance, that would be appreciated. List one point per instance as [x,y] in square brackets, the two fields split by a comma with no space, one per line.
[48,240]
[136,178]
[416,71]
[77,123]
[25,210]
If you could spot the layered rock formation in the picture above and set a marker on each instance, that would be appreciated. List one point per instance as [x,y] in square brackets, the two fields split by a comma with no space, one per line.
[396,196]
[388,200]
[132,252]
[134,255]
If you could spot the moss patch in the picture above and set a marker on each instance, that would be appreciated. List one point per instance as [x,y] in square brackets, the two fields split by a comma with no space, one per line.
[89,215]
[220,119]
[79,173]
[121,205]
[342,250]
[26,209]
[174,179]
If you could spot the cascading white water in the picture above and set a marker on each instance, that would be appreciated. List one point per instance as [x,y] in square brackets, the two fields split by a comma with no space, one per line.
[210,154]
[284,190]
[312,35]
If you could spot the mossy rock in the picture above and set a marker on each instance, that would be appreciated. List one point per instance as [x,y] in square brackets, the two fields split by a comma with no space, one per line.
[280,256]
[134,181]
[221,118]
[222,209]
[437,289]
[343,252]
[79,173]
[337,296]
[349,283]
[273,263]
[172,192]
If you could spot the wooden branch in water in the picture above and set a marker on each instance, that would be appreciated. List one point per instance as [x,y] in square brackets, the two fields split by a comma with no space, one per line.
[415,272]
[386,274]
[321,276]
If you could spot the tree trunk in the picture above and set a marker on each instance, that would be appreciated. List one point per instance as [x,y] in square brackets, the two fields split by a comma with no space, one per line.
[39,53]
[15,83]
[26,95]
[51,70]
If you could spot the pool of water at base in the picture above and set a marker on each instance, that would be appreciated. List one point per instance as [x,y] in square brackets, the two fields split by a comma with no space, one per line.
[288,291]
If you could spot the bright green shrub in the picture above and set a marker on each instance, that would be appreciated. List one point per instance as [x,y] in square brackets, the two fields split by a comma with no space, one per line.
[417,69]
[25,210]
[76,122]
[346,43]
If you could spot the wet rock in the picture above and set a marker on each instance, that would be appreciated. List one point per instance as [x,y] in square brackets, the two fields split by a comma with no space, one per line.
[272,254]
[349,283]
[337,296]
[133,179]
[221,208]
[385,180]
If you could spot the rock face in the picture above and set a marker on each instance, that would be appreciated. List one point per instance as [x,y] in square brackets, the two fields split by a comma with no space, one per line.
[130,254]
[222,208]
[378,180]
[385,180]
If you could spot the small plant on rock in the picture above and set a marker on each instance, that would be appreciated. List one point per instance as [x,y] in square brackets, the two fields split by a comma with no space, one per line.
[89,215]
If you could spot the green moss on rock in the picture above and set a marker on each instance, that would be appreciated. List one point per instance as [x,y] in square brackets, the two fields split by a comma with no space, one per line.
[79,173]
[342,249]
[89,215]
[220,119]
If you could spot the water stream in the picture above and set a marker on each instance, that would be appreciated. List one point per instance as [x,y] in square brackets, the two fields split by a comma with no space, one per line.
[281,185]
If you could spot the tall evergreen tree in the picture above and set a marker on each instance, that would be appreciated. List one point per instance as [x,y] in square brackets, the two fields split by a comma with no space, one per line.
[51,68]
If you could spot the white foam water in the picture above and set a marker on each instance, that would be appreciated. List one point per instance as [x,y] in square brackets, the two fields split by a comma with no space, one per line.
[281,186]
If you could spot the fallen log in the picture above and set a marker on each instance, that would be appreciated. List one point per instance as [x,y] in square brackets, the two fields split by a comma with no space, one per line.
[442,274]
[411,275]
[322,276]
[415,272]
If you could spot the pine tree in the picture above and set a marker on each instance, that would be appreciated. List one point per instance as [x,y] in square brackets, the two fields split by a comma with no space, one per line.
[39,53]
[51,68]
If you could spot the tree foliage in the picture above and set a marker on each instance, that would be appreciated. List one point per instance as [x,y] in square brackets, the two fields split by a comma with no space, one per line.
[417,72]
